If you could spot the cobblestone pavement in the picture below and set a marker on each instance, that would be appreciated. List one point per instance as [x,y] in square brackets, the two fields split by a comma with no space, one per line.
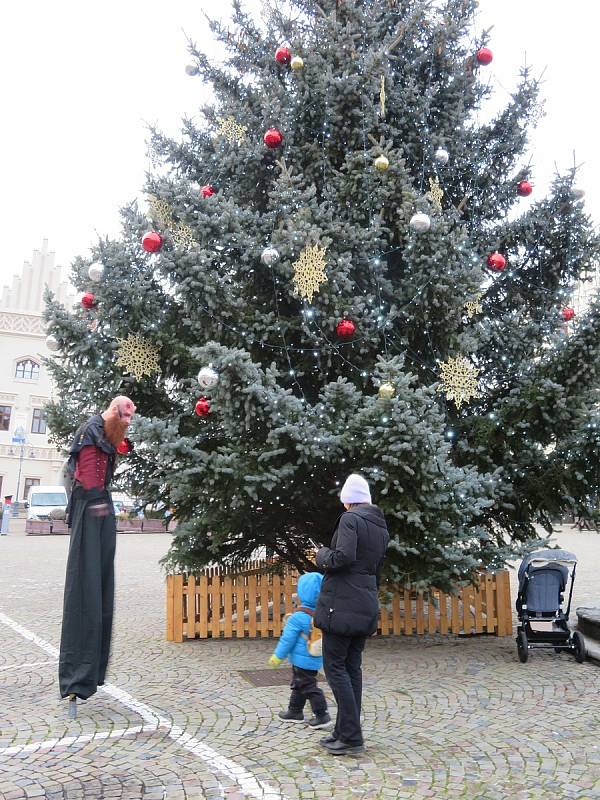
[443,717]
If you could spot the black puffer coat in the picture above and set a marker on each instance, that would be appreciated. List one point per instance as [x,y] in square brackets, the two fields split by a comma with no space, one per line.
[348,603]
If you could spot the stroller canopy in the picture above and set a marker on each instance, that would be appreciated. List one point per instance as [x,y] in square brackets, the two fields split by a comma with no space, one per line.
[547,558]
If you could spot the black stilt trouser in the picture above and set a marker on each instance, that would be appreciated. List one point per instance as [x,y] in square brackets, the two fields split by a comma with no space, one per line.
[304,687]
[342,659]
[89,595]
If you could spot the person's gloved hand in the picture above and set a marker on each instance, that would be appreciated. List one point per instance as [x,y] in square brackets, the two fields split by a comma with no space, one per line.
[274,661]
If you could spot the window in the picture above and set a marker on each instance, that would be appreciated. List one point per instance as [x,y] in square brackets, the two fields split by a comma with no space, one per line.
[4,418]
[29,482]
[38,421]
[27,369]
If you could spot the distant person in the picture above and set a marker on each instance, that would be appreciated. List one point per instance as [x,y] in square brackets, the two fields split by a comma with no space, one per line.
[89,583]
[294,645]
[348,606]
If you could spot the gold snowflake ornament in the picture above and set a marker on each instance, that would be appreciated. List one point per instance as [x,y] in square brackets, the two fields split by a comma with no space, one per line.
[309,271]
[231,130]
[474,306]
[435,193]
[459,379]
[138,356]
[182,234]
[382,98]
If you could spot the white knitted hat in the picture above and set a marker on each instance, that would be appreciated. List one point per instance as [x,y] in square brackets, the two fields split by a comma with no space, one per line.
[355,490]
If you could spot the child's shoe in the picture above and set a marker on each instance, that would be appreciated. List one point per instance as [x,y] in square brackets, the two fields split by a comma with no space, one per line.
[291,716]
[320,721]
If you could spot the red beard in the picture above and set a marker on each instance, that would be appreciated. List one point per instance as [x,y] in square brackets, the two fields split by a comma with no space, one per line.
[114,430]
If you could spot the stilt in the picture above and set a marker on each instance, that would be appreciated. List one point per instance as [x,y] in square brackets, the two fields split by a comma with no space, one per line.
[72,706]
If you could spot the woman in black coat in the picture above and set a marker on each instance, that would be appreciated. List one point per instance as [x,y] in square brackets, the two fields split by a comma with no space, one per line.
[348,606]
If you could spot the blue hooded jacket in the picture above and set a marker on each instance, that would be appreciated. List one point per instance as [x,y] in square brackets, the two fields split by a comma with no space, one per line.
[292,644]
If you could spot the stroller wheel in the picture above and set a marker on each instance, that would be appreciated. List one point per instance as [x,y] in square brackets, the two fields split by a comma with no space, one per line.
[522,650]
[579,647]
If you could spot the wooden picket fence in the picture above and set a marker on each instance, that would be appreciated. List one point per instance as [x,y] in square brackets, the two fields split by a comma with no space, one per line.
[253,602]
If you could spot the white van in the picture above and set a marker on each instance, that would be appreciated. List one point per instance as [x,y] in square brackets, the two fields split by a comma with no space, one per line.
[41,500]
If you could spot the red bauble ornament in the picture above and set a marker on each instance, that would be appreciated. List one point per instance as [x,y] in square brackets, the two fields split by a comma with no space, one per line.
[125,447]
[88,300]
[273,138]
[202,407]
[152,242]
[484,56]
[524,188]
[283,55]
[568,313]
[207,191]
[496,261]
[345,328]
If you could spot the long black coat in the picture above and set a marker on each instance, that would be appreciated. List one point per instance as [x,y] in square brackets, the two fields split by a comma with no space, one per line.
[348,603]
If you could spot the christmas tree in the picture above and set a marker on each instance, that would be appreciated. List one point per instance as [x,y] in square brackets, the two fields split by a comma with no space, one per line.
[333,271]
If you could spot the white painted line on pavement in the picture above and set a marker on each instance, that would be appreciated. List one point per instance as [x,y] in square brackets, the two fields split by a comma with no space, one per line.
[246,780]
[27,666]
[67,741]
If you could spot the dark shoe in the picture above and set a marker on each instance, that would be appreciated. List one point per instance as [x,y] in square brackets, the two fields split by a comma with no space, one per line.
[319,721]
[339,748]
[328,739]
[291,716]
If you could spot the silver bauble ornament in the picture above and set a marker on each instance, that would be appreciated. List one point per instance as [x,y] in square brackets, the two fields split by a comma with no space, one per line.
[207,378]
[269,256]
[386,390]
[578,194]
[52,343]
[441,156]
[420,222]
[96,272]
[382,163]
[191,69]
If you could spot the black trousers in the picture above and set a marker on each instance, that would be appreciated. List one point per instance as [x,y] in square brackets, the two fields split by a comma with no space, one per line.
[304,687]
[342,660]
[88,601]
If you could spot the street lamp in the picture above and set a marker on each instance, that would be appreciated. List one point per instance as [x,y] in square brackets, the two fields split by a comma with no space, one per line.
[18,437]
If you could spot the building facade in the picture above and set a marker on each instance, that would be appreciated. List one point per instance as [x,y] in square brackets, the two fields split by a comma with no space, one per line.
[26,456]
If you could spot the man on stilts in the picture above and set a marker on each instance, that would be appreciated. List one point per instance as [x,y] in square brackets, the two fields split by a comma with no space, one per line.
[89,583]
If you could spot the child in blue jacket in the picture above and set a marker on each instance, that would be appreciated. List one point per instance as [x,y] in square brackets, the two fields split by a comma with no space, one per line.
[293,645]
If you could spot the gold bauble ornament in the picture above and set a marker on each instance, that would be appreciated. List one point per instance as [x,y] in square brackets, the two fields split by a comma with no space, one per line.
[382,163]
[296,63]
[386,390]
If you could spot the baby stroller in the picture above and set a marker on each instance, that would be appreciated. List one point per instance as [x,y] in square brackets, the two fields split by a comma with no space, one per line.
[543,577]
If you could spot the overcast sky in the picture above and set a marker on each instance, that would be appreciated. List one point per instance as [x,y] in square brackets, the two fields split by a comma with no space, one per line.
[80,82]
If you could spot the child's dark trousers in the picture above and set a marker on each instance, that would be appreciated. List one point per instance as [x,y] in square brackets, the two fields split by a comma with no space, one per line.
[304,687]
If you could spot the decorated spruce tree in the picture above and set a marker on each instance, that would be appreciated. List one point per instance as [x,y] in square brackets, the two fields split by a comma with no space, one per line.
[342,266]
